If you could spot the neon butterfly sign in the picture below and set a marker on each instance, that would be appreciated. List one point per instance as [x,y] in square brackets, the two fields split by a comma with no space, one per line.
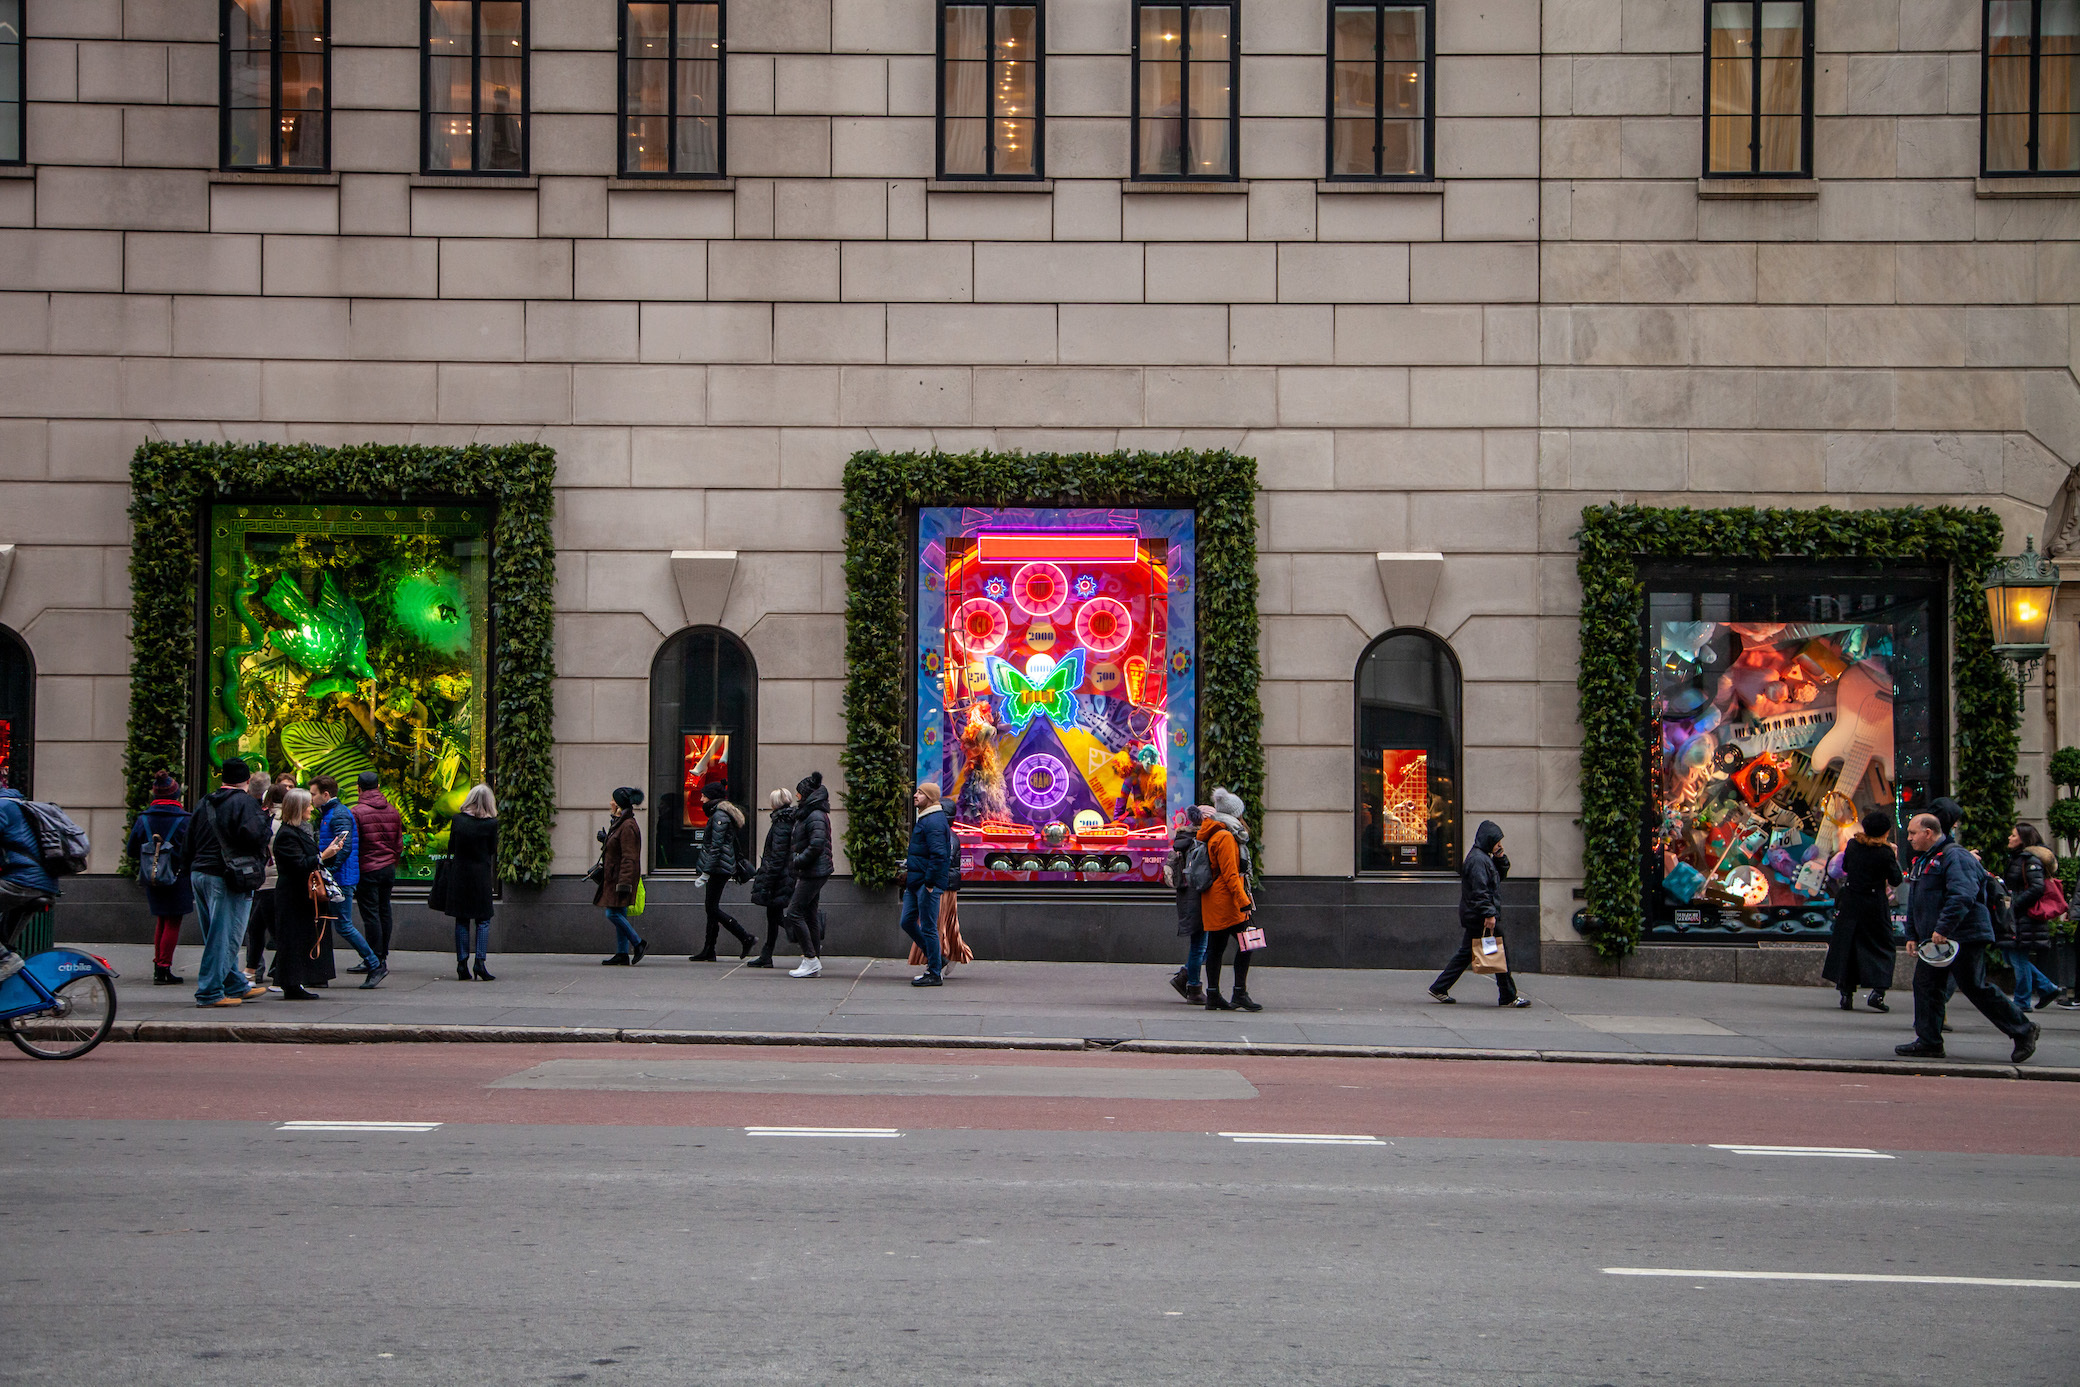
[1044,687]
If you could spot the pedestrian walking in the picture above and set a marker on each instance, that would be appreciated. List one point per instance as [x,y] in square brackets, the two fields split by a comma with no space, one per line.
[620,872]
[1480,904]
[226,839]
[380,829]
[1948,929]
[924,877]
[26,885]
[1860,953]
[2031,876]
[953,950]
[1189,928]
[1225,906]
[719,861]
[158,842]
[813,863]
[773,883]
[299,919]
[472,880]
[260,924]
[335,818]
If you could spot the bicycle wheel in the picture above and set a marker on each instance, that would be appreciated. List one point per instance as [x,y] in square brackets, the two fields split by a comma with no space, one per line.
[81,1020]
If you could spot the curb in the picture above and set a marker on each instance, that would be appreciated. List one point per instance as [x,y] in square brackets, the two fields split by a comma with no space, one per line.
[336,1033]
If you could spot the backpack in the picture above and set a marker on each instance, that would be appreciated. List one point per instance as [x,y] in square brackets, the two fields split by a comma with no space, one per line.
[1198,867]
[157,863]
[1999,902]
[62,842]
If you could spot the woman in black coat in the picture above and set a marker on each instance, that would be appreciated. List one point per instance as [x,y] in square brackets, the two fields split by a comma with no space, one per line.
[773,883]
[2030,871]
[1861,953]
[297,926]
[472,875]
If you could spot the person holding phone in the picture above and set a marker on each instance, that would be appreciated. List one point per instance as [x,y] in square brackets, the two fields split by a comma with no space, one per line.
[1480,903]
[298,927]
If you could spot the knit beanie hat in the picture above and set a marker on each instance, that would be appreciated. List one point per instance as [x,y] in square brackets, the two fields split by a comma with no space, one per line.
[1226,802]
[628,797]
[164,786]
[811,781]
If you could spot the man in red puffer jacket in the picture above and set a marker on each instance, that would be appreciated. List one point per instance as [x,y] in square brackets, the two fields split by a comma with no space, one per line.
[382,843]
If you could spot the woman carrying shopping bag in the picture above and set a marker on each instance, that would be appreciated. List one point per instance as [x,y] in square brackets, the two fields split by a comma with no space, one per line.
[620,875]
[1225,905]
[1480,902]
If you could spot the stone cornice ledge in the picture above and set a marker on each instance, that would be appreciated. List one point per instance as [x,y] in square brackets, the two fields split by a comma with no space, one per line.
[1405,186]
[275,176]
[990,185]
[671,185]
[1758,189]
[2033,186]
[1135,186]
[474,180]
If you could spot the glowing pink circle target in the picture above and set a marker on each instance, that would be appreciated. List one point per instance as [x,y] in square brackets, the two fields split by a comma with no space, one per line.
[1044,768]
[980,626]
[1040,589]
[1103,625]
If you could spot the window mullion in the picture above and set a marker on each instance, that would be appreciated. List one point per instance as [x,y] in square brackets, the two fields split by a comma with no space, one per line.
[274,84]
[2036,66]
[476,85]
[671,88]
[1755,88]
[1379,89]
[989,90]
[1184,91]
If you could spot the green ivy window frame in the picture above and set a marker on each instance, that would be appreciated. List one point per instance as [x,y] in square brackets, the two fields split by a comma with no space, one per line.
[1610,679]
[172,486]
[883,492]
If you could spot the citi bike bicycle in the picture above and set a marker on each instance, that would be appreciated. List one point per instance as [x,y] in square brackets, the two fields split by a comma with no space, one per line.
[60,1005]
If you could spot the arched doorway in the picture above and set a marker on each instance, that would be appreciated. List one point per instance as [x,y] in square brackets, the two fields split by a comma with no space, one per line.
[1409,756]
[703,729]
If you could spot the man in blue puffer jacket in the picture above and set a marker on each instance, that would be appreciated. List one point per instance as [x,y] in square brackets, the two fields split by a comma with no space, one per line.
[25,886]
[1946,905]
[925,870]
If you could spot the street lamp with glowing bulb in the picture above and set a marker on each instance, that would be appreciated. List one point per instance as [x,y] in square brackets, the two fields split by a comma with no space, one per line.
[2019,594]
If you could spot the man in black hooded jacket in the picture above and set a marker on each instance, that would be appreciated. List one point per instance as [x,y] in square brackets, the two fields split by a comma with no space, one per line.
[1480,902]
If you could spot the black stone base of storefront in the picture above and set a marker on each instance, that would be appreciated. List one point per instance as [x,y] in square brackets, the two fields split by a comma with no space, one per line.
[1796,965]
[1309,922]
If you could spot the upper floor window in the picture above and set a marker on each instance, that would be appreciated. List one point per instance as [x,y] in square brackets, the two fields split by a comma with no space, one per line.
[671,90]
[11,70]
[1759,75]
[276,80]
[1379,90]
[990,75]
[475,80]
[1184,89]
[2032,114]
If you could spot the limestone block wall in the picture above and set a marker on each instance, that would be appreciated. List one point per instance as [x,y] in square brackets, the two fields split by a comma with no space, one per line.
[1898,333]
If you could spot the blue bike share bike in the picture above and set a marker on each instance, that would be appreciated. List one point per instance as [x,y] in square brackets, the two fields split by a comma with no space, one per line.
[60,1005]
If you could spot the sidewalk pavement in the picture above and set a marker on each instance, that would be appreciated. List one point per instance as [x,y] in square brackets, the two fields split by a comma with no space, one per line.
[1074,1005]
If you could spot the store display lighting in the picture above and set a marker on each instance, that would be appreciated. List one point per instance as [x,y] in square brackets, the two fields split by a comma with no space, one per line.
[2019,593]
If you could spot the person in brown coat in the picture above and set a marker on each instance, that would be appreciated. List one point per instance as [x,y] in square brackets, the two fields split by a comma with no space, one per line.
[620,872]
[1225,907]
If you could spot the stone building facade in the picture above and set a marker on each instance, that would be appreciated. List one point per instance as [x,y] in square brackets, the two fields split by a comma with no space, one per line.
[1565,311]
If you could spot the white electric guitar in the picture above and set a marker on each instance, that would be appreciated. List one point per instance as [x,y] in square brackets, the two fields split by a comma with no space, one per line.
[1862,731]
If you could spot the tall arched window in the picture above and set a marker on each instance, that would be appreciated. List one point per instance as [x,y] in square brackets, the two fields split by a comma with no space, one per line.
[703,730]
[1408,754]
[17,711]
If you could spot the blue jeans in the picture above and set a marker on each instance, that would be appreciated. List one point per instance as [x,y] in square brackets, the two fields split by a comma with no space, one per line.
[625,937]
[2030,981]
[463,931]
[1195,958]
[343,926]
[223,912]
[921,923]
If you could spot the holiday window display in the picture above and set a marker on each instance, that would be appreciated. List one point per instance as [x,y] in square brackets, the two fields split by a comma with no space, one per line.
[706,756]
[1056,691]
[344,639]
[1779,721]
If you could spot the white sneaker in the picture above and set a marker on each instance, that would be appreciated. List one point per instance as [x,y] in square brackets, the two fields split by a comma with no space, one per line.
[808,968]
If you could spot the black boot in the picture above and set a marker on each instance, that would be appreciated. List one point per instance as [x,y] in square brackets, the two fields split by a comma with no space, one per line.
[461,971]
[482,974]
[165,977]
[1215,1002]
[1848,1001]
[642,947]
[617,961]
[1876,1001]
[743,938]
[1243,1003]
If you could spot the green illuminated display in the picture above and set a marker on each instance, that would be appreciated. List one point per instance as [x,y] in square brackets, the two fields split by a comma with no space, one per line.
[344,639]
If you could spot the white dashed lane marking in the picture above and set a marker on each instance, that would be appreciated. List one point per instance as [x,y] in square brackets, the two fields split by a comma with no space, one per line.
[2007,1281]
[1300,1139]
[357,1126]
[1850,1153]
[821,1132]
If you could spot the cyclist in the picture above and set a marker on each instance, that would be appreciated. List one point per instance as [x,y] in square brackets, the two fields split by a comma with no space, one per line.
[25,887]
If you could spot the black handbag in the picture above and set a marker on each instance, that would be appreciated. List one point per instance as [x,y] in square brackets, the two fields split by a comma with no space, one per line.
[437,895]
[246,871]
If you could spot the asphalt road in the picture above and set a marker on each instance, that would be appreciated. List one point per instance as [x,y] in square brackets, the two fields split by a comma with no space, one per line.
[581,1213]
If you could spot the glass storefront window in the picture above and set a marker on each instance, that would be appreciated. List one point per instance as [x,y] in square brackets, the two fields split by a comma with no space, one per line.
[1785,705]
[17,711]
[1057,687]
[344,639]
[703,731]
[1408,755]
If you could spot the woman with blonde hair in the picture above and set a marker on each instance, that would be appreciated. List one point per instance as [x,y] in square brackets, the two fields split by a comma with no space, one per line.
[472,874]
[298,926]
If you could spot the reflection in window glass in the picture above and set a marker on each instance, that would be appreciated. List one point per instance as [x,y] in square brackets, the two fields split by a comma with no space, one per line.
[17,711]
[703,731]
[275,83]
[1379,85]
[1756,71]
[1184,91]
[1784,709]
[1408,755]
[2032,116]
[672,106]
[476,86]
[11,68]
[990,102]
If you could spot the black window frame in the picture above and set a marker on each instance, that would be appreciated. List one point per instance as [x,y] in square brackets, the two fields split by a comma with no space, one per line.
[476,92]
[21,87]
[1428,118]
[1039,173]
[1455,828]
[18,662]
[2036,100]
[622,60]
[274,98]
[665,789]
[1184,117]
[1755,112]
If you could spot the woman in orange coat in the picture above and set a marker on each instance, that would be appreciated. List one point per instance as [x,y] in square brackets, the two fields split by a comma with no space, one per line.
[1225,907]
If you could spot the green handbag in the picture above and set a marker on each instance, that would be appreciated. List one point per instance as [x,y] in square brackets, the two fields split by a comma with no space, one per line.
[635,907]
